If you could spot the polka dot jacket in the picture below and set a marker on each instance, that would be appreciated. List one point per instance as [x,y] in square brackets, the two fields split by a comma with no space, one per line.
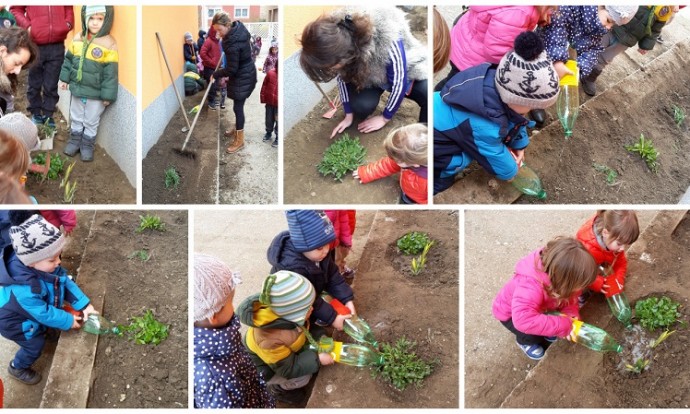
[578,27]
[224,375]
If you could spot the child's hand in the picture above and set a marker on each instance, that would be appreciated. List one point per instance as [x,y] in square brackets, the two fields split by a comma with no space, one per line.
[604,288]
[351,305]
[518,156]
[326,359]
[339,320]
[561,69]
[343,125]
[88,311]
[642,51]
[62,85]
[106,103]
[355,175]
[76,323]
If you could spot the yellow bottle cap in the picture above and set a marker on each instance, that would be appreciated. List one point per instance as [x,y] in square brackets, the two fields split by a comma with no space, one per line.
[571,80]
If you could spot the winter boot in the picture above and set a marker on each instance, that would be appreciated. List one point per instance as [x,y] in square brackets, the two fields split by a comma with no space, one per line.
[295,396]
[267,137]
[27,375]
[538,116]
[589,81]
[86,148]
[239,142]
[73,145]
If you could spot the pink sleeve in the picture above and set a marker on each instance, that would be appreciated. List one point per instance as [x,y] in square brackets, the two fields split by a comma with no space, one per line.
[345,231]
[68,219]
[503,28]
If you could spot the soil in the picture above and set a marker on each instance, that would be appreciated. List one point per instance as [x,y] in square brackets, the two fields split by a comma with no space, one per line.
[127,375]
[306,142]
[98,182]
[212,176]
[641,104]
[383,290]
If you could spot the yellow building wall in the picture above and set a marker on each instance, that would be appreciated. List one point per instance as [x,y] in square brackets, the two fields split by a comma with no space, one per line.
[295,18]
[126,38]
[171,23]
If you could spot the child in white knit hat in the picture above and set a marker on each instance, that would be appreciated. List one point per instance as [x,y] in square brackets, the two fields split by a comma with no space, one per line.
[33,291]
[224,375]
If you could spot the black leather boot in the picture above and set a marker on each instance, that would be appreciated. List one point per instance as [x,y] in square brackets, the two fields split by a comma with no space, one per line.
[589,81]
[538,116]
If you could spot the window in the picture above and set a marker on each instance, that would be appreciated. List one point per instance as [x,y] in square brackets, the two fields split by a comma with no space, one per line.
[241,12]
[212,11]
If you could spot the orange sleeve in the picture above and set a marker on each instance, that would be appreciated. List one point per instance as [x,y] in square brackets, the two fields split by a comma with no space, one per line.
[414,187]
[379,169]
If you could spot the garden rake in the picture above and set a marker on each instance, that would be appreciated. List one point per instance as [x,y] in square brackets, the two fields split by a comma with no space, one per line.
[177,93]
[334,106]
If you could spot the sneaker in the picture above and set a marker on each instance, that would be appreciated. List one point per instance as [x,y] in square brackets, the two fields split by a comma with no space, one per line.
[267,137]
[660,40]
[551,339]
[275,144]
[222,106]
[295,396]
[535,351]
[27,375]
[37,119]
[212,107]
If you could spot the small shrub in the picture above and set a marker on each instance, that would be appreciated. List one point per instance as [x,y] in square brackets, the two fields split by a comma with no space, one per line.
[610,173]
[401,365]
[172,178]
[645,148]
[146,329]
[57,164]
[413,242]
[678,115]
[150,222]
[419,262]
[342,156]
[657,313]
[142,255]
[639,366]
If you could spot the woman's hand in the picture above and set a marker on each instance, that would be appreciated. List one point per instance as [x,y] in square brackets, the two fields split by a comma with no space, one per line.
[372,124]
[343,125]
[561,69]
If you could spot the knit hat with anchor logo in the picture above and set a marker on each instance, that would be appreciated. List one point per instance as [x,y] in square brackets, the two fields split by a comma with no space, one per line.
[525,75]
[35,240]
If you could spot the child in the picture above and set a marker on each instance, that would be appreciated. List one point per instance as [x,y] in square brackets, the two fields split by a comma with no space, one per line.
[644,29]
[34,290]
[407,152]
[278,334]
[303,249]
[210,53]
[271,60]
[90,69]
[193,82]
[605,236]
[269,96]
[190,50]
[223,88]
[14,157]
[11,191]
[441,42]
[547,280]
[65,220]
[224,375]
[480,113]
[344,222]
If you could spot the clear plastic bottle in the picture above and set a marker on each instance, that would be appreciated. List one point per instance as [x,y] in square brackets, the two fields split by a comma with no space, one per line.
[528,182]
[98,325]
[595,338]
[356,327]
[348,354]
[568,103]
[620,307]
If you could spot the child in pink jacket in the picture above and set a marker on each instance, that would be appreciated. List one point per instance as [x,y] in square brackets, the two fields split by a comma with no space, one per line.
[344,225]
[547,280]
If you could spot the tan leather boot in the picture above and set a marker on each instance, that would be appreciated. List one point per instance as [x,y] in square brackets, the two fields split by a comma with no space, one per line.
[239,142]
[230,133]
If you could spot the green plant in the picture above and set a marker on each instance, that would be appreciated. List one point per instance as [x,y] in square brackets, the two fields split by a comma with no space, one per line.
[413,242]
[638,366]
[70,187]
[146,329]
[645,148]
[345,154]
[419,263]
[57,164]
[45,130]
[172,178]
[678,115]
[142,255]
[150,222]
[401,365]
[655,313]
[610,173]
[664,336]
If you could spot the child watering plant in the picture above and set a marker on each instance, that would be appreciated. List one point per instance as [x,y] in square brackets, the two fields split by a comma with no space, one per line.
[90,71]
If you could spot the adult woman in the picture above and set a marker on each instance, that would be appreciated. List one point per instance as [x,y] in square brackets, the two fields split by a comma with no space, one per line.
[239,70]
[17,51]
[369,51]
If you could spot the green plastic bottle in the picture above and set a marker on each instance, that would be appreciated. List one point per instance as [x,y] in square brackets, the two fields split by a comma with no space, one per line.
[568,103]
[595,338]
[620,307]
[348,354]
[98,325]
[528,182]
[356,327]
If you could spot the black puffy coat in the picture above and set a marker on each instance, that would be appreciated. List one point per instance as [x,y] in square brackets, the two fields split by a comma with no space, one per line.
[239,68]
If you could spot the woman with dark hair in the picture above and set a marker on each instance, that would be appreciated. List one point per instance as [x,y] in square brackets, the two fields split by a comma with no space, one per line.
[239,70]
[369,51]
[17,51]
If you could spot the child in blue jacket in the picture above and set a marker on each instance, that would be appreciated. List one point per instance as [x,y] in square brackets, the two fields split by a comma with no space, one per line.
[480,112]
[33,290]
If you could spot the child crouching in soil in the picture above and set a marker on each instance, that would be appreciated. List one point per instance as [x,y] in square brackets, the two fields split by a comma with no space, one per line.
[224,375]
[407,154]
[34,289]
[547,280]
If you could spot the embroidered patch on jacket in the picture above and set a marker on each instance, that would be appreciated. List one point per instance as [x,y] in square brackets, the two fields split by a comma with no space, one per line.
[97,52]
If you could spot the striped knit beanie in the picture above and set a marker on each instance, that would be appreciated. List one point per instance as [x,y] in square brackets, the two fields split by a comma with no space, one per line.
[525,76]
[289,295]
[214,283]
[309,229]
[35,240]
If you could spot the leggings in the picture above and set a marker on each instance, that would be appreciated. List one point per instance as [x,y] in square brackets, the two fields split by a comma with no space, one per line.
[365,101]
[238,109]
[523,338]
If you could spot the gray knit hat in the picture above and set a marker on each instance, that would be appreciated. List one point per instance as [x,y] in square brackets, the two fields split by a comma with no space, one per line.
[19,126]
[214,282]
[289,295]
[622,14]
[188,36]
[525,75]
[35,240]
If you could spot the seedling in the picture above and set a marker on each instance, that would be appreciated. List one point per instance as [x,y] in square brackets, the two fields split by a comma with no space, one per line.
[664,336]
[342,156]
[413,242]
[56,164]
[419,263]
[639,366]
[172,178]
[678,115]
[150,222]
[610,173]
[70,187]
[45,130]
[142,255]
[657,313]
[645,148]
[146,329]
[401,365]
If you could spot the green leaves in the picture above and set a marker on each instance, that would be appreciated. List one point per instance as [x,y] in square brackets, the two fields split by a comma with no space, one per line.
[645,148]
[638,366]
[57,164]
[142,255]
[413,242]
[342,156]
[402,366]
[150,222]
[419,262]
[657,313]
[146,329]
[172,178]
[610,173]
[678,115]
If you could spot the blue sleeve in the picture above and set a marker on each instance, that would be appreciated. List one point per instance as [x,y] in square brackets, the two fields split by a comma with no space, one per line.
[344,96]
[396,72]
[44,313]
[74,295]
